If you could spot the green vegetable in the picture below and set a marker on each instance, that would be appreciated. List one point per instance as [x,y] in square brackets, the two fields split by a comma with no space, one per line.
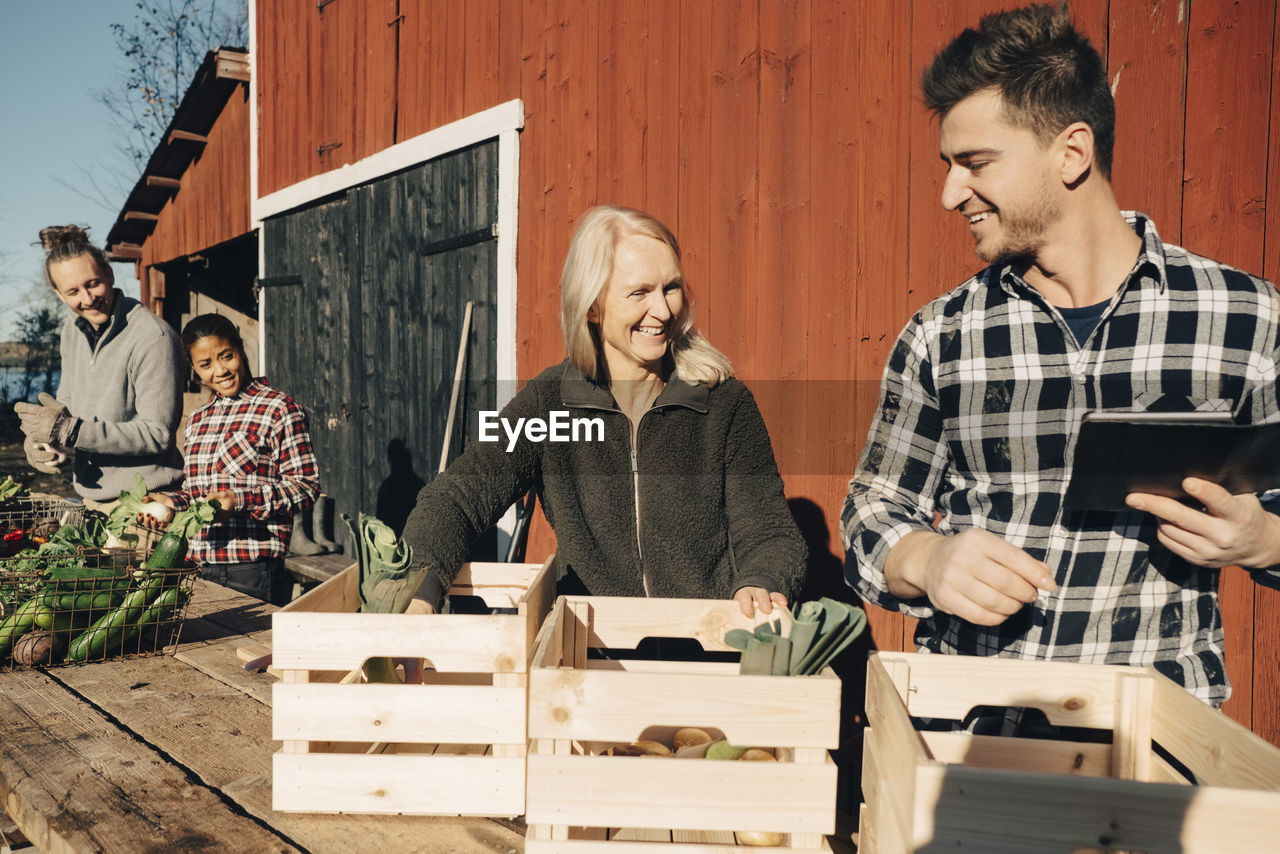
[109,630]
[126,511]
[91,535]
[722,749]
[17,624]
[169,552]
[172,548]
[10,488]
[387,581]
[157,612]
[163,607]
[88,601]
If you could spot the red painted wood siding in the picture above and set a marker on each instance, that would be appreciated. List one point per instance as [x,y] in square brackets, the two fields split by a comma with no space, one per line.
[786,144]
[212,205]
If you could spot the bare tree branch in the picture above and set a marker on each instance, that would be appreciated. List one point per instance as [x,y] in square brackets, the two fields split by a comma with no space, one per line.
[164,45]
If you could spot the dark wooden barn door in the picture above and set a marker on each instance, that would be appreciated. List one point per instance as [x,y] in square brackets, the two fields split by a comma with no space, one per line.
[365,302]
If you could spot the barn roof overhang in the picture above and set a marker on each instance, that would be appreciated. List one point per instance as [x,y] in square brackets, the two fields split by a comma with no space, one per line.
[218,76]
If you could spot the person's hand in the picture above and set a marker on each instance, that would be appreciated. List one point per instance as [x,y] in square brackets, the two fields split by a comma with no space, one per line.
[151,523]
[41,457]
[1232,530]
[47,421]
[751,598]
[226,504]
[975,575]
[419,606]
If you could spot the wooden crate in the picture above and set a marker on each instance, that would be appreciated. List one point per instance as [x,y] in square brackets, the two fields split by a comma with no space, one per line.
[930,791]
[580,800]
[454,745]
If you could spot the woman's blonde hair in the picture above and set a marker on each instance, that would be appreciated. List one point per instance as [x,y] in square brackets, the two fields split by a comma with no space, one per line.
[587,268]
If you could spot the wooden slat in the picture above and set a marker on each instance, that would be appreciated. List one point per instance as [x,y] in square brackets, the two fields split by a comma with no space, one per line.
[1131,732]
[622,85]
[696,159]
[451,641]
[411,785]
[1146,64]
[618,706]
[1217,749]
[662,120]
[1019,754]
[1008,811]
[1069,694]
[705,795]
[623,622]
[462,714]
[1223,189]
[729,319]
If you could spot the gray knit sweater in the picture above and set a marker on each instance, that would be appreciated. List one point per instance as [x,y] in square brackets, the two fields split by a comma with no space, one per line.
[712,515]
[128,392]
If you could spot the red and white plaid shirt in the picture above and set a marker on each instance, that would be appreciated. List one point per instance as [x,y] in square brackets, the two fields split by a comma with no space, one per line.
[256,444]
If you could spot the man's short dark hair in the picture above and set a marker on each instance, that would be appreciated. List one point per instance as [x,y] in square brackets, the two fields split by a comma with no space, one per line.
[1047,73]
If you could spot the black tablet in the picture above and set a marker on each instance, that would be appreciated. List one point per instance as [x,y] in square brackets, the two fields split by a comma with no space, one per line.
[1121,452]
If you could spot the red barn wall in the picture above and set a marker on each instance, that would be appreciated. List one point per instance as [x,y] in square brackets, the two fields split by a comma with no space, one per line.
[212,206]
[786,145]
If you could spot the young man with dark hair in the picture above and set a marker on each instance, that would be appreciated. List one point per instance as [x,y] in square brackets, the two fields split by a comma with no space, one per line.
[1083,307]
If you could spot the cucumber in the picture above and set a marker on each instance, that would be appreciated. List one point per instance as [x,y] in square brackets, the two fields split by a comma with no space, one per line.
[108,631]
[162,607]
[17,624]
[87,602]
[156,613]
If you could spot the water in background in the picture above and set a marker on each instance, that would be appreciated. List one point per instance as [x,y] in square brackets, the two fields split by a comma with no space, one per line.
[13,379]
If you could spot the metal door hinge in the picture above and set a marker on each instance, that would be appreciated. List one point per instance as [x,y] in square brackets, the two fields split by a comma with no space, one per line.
[471,238]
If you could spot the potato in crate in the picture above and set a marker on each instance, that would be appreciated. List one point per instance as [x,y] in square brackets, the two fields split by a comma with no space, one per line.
[598,703]
[453,745]
[1178,776]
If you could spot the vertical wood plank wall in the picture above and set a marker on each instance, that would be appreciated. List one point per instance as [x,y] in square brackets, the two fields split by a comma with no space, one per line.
[786,145]
[213,205]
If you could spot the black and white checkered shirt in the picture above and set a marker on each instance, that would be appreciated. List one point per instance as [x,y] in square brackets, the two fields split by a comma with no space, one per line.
[979,410]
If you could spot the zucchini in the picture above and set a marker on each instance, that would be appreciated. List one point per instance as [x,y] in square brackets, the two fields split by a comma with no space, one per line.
[109,629]
[17,624]
[168,553]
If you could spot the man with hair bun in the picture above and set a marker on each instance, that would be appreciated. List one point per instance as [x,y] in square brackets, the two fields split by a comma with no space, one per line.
[1083,307]
[119,399]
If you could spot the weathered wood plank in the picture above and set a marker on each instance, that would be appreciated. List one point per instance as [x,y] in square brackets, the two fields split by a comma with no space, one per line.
[223,735]
[75,780]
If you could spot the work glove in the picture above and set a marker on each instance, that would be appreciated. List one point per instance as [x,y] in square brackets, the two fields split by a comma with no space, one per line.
[48,421]
[42,457]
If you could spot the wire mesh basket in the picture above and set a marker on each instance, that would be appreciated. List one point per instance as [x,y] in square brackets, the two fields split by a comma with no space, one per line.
[27,520]
[90,606]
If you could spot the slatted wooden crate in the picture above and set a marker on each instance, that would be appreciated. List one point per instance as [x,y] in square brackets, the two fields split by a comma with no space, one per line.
[932,791]
[580,800]
[454,745]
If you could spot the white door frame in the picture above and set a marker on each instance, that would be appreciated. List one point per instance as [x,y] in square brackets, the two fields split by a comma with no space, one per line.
[503,123]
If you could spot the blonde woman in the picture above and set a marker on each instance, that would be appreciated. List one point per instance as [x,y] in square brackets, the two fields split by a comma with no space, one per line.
[670,487]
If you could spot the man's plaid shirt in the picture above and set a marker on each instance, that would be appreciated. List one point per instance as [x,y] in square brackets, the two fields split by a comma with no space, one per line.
[979,410]
[256,444]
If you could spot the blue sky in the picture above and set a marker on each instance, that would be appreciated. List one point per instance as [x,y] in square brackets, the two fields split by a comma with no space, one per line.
[52,53]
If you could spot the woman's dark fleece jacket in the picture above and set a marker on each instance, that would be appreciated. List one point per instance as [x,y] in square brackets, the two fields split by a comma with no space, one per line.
[712,514]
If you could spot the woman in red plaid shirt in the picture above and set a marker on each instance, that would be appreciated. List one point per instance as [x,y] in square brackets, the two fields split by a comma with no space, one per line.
[250,450]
